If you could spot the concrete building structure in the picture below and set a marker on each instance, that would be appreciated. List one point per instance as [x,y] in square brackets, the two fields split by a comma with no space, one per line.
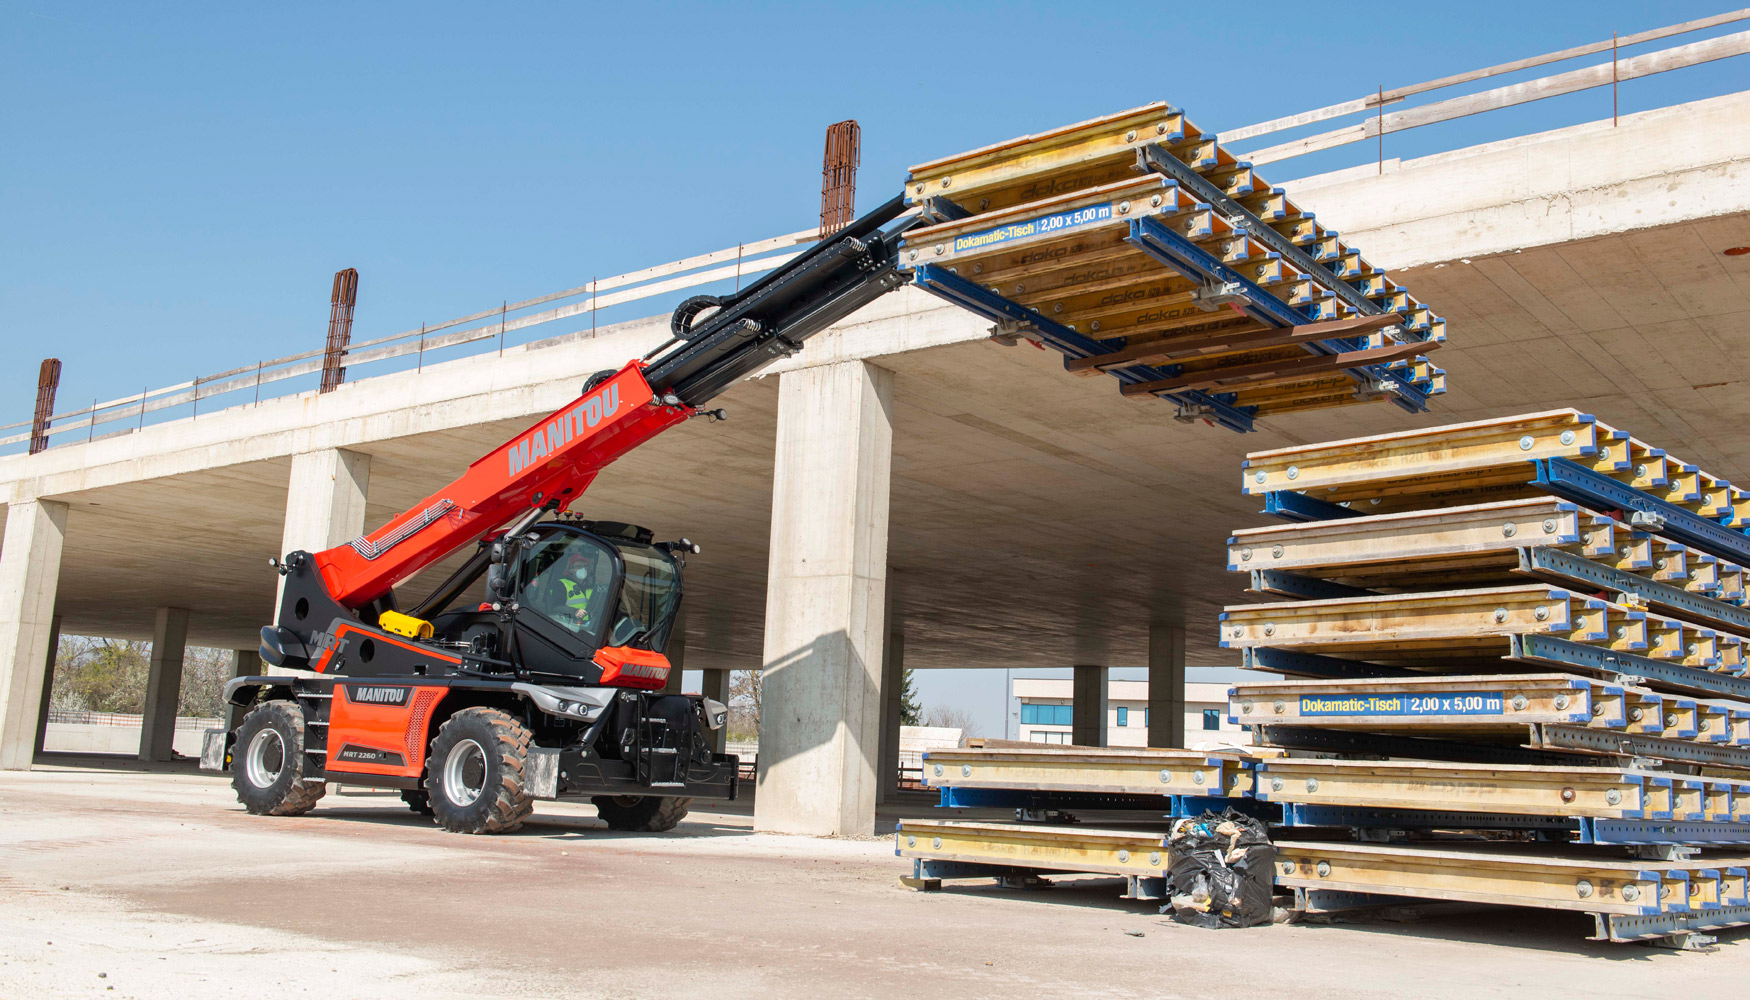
[907,492]
[1048,711]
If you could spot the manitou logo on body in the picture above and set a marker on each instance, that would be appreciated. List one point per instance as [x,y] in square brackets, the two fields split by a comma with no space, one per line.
[548,438]
[647,670]
[376,695]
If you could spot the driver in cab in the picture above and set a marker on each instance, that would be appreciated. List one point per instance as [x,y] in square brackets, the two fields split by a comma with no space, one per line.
[583,577]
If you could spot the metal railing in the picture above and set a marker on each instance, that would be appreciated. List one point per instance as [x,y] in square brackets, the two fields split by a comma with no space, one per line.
[127,720]
[1603,74]
[487,328]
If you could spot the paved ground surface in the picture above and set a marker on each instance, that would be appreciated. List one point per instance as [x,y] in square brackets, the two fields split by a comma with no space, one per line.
[118,884]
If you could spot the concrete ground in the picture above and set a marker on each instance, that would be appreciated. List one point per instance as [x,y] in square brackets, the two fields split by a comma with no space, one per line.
[124,883]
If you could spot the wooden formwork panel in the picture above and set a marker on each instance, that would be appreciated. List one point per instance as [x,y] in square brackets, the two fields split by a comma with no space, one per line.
[1524,790]
[1036,846]
[1048,222]
[1566,881]
[1497,707]
[1465,626]
[1484,461]
[1423,549]
[1114,772]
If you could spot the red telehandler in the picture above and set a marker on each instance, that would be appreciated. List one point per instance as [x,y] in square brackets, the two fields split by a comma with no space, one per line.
[549,687]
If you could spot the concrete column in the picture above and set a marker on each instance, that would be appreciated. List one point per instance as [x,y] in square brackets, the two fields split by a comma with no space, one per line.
[1088,707]
[825,602]
[42,713]
[163,683]
[30,570]
[676,651]
[892,691]
[714,684]
[325,501]
[1166,685]
[245,663]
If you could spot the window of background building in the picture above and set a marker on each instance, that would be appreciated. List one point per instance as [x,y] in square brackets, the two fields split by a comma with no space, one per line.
[1123,716]
[1212,718]
[1046,715]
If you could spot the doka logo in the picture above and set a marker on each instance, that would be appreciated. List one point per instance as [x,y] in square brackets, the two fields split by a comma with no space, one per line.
[376,695]
[555,434]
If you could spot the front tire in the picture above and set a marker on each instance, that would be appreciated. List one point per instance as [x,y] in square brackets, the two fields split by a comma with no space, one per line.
[418,801]
[641,813]
[474,776]
[269,768]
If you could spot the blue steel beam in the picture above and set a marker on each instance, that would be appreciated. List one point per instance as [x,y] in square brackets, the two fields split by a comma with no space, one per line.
[1068,342]
[1547,649]
[1197,264]
[1572,481]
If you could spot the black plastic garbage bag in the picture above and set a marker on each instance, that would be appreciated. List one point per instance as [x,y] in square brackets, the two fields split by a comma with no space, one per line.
[1221,871]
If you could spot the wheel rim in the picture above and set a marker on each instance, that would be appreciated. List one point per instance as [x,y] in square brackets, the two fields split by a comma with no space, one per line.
[465,773]
[266,758]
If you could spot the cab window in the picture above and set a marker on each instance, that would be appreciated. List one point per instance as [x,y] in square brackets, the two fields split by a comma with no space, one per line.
[569,579]
[648,599]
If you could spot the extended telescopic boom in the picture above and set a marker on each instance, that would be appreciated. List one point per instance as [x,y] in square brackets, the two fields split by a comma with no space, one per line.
[717,341]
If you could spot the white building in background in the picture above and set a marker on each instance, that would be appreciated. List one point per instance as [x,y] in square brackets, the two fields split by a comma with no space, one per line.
[1046,707]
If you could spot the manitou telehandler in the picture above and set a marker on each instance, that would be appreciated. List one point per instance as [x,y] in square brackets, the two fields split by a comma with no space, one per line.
[550,686]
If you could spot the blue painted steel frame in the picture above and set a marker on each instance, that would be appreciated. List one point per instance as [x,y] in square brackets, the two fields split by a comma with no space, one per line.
[1626,832]
[1572,481]
[1298,507]
[1540,648]
[1192,261]
[998,309]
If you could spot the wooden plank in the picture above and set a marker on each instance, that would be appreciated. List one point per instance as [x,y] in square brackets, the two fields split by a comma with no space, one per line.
[1518,790]
[1544,880]
[1249,335]
[1276,372]
[1143,772]
[1047,848]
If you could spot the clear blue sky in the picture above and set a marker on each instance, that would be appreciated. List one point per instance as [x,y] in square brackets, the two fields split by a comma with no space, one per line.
[181,181]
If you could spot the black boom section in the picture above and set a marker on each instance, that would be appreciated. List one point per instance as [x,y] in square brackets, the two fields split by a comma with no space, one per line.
[773,316]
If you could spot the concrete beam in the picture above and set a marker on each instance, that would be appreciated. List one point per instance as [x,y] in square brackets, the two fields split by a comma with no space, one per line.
[1550,187]
[1166,685]
[1088,707]
[325,502]
[163,684]
[30,570]
[42,713]
[825,602]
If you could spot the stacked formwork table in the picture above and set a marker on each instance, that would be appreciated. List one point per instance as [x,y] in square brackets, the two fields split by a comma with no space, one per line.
[1514,672]
[1526,638]
[1139,248]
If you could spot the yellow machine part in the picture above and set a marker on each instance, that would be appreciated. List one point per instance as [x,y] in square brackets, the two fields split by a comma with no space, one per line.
[407,625]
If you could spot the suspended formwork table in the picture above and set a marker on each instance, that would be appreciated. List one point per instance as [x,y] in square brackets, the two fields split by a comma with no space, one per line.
[1139,248]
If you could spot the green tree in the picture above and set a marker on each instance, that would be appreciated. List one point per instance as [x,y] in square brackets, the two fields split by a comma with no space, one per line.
[910,709]
[109,675]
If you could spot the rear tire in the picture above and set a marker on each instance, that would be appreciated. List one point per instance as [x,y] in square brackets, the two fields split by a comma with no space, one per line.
[269,768]
[417,801]
[474,776]
[641,813]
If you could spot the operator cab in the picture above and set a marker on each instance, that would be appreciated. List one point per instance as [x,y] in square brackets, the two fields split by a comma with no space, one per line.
[579,586]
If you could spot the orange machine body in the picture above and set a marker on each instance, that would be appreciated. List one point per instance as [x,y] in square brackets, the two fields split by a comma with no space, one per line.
[379,727]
